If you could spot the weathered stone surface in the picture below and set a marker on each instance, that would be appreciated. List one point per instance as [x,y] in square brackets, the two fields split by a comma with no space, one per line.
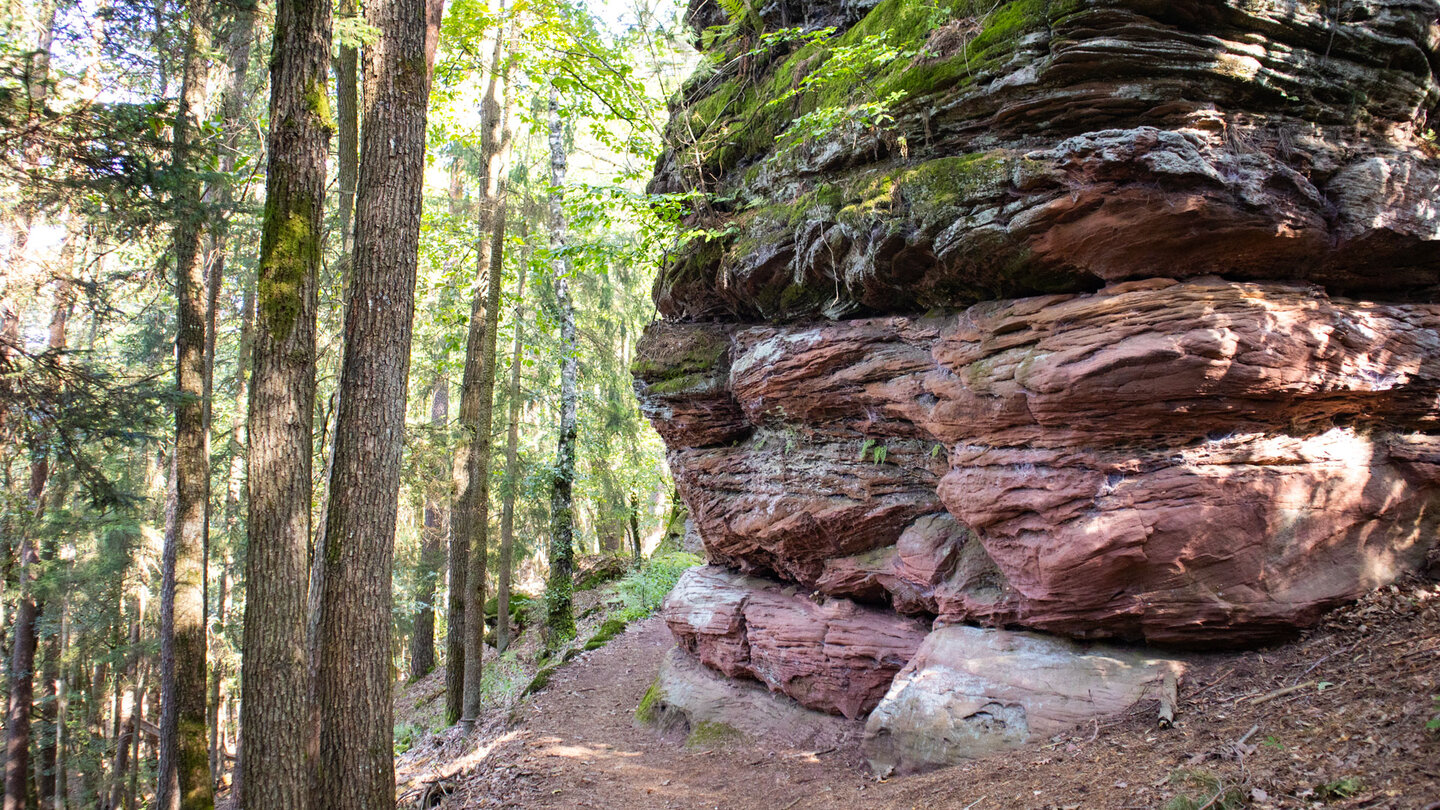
[712,708]
[1175,441]
[831,655]
[1122,325]
[1058,146]
[784,501]
[682,378]
[1230,541]
[969,692]
[1154,361]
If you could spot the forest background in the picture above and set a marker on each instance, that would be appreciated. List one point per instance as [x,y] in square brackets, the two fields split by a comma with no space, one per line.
[131,128]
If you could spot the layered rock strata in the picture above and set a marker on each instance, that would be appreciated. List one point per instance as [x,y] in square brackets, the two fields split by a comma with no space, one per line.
[1116,321]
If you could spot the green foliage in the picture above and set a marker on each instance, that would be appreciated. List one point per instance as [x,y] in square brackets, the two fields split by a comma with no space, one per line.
[1204,789]
[609,629]
[1342,788]
[643,590]
[1433,724]
[406,734]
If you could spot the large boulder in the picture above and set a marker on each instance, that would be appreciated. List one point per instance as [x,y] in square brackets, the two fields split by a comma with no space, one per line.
[713,709]
[969,692]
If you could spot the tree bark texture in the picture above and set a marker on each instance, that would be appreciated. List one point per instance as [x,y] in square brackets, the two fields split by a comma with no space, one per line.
[184,766]
[458,555]
[512,473]
[353,684]
[432,549]
[347,112]
[470,520]
[276,755]
[560,619]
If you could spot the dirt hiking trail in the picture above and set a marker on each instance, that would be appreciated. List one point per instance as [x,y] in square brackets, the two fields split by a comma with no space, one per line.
[1334,720]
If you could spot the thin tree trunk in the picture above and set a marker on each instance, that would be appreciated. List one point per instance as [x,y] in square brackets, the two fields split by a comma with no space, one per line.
[355,768]
[458,557]
[128,730]
[471,516]
[560,620]
[22,684]
[512,472]
[347,112]
[432,550]
[276,733]
[184,769]
[636,551]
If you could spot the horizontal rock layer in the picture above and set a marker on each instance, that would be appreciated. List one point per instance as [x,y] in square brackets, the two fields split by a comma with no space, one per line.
[1222,461]
[1043,147]
[831,654]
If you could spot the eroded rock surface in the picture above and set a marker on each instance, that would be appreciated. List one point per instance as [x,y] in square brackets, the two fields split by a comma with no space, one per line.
[1119,323]
[827,654]
[713,709]
[969,692]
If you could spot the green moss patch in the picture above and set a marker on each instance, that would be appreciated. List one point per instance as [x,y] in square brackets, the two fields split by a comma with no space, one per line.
[709,733]
[648,710]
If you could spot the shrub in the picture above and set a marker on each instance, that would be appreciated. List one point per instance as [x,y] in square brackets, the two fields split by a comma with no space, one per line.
[642,591]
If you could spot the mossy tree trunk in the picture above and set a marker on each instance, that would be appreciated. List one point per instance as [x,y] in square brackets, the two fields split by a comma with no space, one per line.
[275,757]
[560,619]
[471,517]
[184,761]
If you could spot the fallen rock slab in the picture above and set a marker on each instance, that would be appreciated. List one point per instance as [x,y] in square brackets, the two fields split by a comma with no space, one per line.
[970,692]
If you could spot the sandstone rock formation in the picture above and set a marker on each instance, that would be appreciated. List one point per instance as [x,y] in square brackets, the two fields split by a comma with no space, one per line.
[712,710]
[1112,319]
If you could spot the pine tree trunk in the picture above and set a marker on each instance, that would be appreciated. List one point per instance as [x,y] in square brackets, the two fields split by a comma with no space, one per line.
[470,522]
[355,769]
[560,620]
[432,551]
[512,472]
[276,733]
[184,771]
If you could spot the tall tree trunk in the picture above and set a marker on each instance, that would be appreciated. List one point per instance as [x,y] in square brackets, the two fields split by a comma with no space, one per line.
[184,768]
[512,472]
[432,549]
[355,768]
[22,660]
[232,106]
[218,672]
[458,557]
[347,112]
[471,517]
[128,730]
[560,620]
[22,684]
[275,691]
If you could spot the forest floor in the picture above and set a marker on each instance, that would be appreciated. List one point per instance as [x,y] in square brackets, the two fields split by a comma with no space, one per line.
[1336,719]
